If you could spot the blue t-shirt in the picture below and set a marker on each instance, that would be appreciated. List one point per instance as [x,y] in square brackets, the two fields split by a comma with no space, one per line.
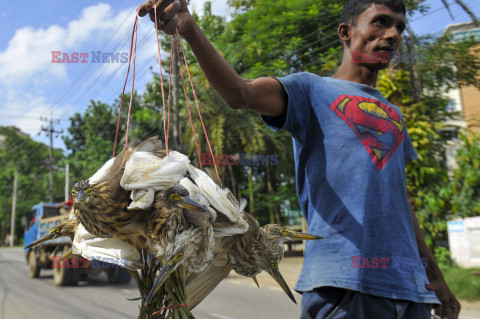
[351,146]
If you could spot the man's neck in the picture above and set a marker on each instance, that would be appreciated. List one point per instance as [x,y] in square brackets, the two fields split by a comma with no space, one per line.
[356,73]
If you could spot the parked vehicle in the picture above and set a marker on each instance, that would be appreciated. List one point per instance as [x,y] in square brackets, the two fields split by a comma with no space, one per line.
[42,218]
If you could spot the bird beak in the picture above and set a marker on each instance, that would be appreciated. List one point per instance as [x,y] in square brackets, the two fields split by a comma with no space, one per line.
[256,281]
[275,273]
[67,254]
[80,195]
[188,203]
[299,235]
[48,236]
[165,272]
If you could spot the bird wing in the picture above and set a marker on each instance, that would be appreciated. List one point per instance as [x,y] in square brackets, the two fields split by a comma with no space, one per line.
[117,165]
[220,199]
[148,172]
[153,144]
[200,285]
[253,226]
[102,172]
[111,250]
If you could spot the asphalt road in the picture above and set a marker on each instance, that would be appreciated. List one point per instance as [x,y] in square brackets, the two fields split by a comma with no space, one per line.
[23,297]
[236,298]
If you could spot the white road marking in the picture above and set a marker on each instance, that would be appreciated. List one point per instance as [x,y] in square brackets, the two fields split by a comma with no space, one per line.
[219,316]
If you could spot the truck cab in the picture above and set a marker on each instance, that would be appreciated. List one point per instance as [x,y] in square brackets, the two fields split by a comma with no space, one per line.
[47,255]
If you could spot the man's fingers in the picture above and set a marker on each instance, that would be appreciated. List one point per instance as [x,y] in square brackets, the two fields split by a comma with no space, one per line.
[171,26]
[170,11]
[447,311]
[145,7]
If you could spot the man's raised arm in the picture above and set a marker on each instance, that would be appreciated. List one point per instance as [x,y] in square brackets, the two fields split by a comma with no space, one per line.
[263,95]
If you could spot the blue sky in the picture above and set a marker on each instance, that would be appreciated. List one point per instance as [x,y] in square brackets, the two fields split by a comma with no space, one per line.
[32,87]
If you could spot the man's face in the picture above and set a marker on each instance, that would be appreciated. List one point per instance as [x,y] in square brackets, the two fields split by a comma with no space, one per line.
[376,36]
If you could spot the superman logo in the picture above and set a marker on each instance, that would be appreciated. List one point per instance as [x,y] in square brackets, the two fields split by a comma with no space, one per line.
[377,125]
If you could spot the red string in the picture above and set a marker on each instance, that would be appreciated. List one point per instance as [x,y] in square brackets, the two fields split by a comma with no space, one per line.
[161,79]
[124,85]
[169,93]
[133,81]
[184,305]
[166,129]
[188,104]
[196,102]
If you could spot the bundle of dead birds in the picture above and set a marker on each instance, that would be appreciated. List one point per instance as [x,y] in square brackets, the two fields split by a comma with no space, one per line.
[156,213]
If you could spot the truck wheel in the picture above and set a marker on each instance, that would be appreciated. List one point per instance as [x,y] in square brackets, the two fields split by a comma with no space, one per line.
[62,275]
[76,273]
[118,276]
[33,264]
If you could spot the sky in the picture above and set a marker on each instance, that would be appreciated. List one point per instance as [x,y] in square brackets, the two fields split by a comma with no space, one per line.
[33,88]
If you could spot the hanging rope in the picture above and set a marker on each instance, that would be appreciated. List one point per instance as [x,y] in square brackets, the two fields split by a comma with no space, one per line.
[186,99]
[166,123]
[196,103]
[161,78]
[133,81]
[125,84]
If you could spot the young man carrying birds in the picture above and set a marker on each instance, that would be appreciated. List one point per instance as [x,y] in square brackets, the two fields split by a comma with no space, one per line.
[351,147]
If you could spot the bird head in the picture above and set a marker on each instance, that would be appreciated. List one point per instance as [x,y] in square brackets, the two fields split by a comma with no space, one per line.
[81,192]
[191,248]
[64,228]
[282,234]
[268,261]
[177,195]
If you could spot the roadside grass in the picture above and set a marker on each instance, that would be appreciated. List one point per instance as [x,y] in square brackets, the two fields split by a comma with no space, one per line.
[463,282]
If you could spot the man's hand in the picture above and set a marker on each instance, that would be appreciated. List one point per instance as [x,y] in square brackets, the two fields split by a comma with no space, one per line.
[450,307]
[171,14]
[263,95]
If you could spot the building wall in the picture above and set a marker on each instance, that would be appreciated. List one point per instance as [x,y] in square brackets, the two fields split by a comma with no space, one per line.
[471,107]
[470,95]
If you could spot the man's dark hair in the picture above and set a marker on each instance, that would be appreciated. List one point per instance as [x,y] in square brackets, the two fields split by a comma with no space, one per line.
[353,9]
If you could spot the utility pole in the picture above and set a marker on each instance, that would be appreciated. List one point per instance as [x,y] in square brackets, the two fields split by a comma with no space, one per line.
[67,181]
[50,131]
[4,218]
[14,208]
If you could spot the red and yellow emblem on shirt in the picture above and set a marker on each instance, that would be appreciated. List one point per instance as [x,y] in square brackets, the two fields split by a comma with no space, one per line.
[378,126]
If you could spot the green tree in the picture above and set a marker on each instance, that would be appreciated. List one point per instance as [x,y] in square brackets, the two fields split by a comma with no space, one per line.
[465,186]
[27,157]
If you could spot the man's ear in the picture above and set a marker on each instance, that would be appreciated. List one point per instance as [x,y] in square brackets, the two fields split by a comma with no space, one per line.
[344,32]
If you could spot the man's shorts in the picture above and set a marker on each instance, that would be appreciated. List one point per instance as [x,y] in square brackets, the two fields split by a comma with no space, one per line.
[338,303]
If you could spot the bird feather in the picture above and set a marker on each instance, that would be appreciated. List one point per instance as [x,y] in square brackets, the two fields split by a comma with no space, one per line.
[113,250]
[220,200]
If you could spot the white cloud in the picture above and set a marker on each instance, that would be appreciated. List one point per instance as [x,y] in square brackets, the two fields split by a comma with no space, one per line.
[28,76]
[27,73]
[29,51]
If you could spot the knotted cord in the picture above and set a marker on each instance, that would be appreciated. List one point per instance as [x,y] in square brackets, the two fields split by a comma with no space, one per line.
[184,305]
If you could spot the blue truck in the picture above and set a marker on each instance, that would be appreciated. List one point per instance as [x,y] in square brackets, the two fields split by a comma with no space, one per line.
[41,219]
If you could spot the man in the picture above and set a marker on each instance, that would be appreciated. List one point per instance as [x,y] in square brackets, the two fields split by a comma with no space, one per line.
[351,146]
